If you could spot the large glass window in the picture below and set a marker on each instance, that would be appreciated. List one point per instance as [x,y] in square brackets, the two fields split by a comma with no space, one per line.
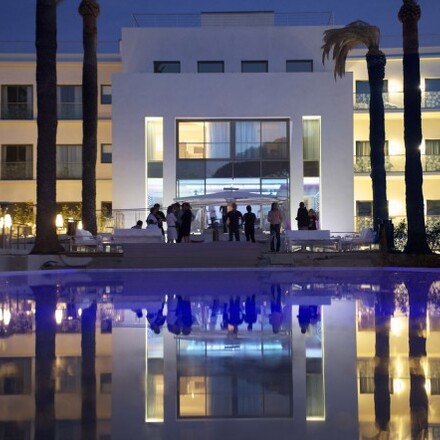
[299,66]
[274,140]
[204,140]
[17,102]
[154,135]
[210,66]
[254,66]
[432,147]
[433,207]
[311,146]
[69,102]
[247,140]
[69,161]
[16,162]
[363,148]
[167,67]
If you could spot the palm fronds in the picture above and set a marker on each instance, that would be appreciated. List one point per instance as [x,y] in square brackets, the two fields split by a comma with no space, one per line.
[344,39]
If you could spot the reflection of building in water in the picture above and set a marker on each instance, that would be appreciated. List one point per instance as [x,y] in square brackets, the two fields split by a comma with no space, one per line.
[393,330]
[275,380]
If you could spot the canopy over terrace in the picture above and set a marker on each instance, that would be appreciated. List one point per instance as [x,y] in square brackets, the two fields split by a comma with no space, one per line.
[228,196]
[231,196]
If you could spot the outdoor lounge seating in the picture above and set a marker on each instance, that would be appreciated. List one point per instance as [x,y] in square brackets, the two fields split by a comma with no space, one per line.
[83,241]
[313,240]
[365,239]
[137,236]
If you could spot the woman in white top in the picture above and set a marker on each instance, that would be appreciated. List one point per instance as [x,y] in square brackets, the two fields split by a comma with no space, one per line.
[171,225]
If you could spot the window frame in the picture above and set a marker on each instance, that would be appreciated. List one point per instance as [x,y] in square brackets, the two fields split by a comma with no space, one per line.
[106,99]
[254,63]
[106,154]
[299,62]
[157,64]
[221,64]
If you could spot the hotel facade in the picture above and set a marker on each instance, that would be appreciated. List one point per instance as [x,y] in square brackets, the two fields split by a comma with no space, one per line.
[227,100]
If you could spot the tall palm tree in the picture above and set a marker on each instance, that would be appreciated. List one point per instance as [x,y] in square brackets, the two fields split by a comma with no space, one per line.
[409,15]
[46,241]
[89,10]
[342,41]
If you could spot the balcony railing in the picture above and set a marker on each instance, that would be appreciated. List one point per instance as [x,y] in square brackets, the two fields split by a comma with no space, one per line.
[69,110]
[394,101]
[16,111]
[16,170]
[396,163]
[71,170]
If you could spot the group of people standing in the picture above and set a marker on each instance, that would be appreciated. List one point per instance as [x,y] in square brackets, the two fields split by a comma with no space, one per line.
[307,219]
[178,219]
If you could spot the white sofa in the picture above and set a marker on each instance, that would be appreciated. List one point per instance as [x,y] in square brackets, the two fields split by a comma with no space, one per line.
[137,236]
[309,239]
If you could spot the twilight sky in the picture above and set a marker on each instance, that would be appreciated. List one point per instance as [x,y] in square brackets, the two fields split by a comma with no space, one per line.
[18,16]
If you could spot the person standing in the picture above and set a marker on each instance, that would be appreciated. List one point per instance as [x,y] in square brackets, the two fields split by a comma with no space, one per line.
[160,217]
[234,219]
[313,218]
[302,217]
[224,212]
[249,224]
[185,226]
[171,225]
[276,219]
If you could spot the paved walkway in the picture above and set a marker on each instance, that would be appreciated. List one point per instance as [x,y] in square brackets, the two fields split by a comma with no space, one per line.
[222,254]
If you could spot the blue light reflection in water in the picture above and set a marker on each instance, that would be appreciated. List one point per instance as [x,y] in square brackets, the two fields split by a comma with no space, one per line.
[179,354]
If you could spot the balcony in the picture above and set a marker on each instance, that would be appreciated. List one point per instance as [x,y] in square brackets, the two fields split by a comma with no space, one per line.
[16,111]
[394,101]
[16,170]
[396,163]
[71,170]
[69,110]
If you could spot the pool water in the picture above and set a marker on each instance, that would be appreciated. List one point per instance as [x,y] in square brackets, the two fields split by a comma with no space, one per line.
[220,354]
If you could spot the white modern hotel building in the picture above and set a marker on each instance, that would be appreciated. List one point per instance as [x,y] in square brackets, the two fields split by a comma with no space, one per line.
[238,100]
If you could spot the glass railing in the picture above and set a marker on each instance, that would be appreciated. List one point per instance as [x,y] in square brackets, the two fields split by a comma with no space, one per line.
[17,111]
[72,170]
[396,163]
[16,171]
[394,100]
[69,111]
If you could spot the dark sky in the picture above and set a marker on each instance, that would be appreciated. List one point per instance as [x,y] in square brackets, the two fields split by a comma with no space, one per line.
[18,16]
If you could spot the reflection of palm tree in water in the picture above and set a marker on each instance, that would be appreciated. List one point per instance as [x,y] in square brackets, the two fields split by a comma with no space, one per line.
[383,310]
[88,373]
[45,305]
[418,398]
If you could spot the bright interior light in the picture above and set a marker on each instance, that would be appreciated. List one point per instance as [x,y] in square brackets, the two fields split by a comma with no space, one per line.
[394,148]
[394,86]
[8,220]
[59,221]
[80,225]
[395,208]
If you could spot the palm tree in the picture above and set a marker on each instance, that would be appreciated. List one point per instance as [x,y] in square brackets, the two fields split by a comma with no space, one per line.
[409,15]
[89,10]
[46,241]
[342,41]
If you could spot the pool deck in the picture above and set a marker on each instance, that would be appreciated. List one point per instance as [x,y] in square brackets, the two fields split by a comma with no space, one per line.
[222,254]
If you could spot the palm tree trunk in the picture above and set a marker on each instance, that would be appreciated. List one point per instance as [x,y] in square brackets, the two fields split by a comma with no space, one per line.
[376,72]
[409,15]
[46,48]
[89,10]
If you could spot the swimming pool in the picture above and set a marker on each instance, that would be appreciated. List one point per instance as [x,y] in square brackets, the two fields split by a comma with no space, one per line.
[296,353]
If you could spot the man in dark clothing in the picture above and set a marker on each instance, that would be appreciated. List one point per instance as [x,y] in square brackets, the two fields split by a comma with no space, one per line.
[234,218]
[302,217]
[249,224]
[160,218]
